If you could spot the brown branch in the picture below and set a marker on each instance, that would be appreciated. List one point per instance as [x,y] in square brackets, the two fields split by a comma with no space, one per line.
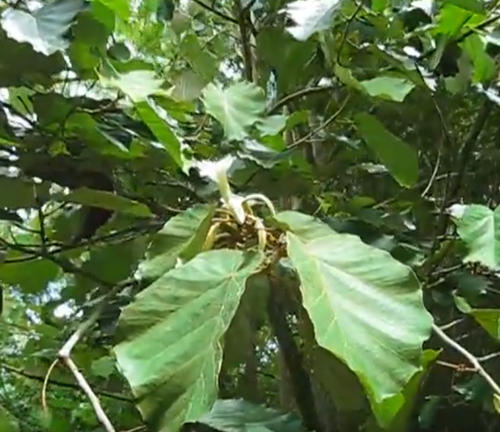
[300,380]
[215,11]
[63,384]
[298,94]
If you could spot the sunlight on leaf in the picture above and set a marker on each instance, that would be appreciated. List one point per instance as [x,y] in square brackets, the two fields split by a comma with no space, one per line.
[43,29]
[311,16]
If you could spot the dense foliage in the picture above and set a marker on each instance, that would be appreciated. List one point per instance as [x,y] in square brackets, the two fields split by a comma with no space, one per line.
[249,215]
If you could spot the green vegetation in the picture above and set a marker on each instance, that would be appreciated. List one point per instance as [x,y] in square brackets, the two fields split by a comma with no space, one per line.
[249,215]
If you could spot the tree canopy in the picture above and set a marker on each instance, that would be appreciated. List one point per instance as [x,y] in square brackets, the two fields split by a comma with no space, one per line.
[249,215]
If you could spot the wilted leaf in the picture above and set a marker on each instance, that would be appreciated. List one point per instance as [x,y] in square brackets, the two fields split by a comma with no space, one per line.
[236,107]
[311,16]
[479,228]
[365,306]
[171,355]
[240,416]
[43,29]
[400,159]
[387,87]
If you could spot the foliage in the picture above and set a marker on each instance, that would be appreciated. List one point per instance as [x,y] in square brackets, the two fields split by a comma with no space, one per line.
[249,215]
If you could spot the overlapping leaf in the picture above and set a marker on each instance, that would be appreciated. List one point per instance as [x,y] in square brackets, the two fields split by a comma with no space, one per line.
[171,354]
[365,306]
[43,29]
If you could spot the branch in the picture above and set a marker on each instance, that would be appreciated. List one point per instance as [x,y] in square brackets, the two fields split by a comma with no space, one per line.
[215,11]
[58,383]
[298,94]
[470,357]
[64,356]
[300,380]
[242,17]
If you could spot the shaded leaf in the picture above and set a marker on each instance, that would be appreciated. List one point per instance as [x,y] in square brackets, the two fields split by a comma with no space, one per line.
[400,159]
[104,200]
[240,416]
[182,236]
[171,355]
[387,87]
[162,131]
[18,193]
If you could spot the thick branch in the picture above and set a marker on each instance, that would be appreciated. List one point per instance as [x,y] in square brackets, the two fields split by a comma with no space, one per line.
[300,380]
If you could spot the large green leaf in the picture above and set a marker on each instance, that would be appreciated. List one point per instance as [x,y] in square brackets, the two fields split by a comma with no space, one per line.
[241,416]
[237,107]
[31,277]
[138,85]
[8,422]
[366,307]
[171,354]
[181,237]
[400,159]
[479,227]
[44,28]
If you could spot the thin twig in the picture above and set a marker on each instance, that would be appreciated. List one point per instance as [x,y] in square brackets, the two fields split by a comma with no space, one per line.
[215,11]
[470,357]
[298,94]
[322,126]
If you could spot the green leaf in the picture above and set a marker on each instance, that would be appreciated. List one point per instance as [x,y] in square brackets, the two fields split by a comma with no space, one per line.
[396,411]
[31,277]
[8,422]
[200,59]
[103,367]
[18,193]
[366,307]
[486,318]
[477,227]
[181,237]
[161,131]
[138,85]
[400,159]
[388,87]
[105,200]
[43,29]
[237,107]
[120,7]
[310,16]
[272,125]
[172,352]
[187,86]
[484,66]
[240,416]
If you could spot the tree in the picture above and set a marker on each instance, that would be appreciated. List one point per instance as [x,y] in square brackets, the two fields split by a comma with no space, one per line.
[244,215]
